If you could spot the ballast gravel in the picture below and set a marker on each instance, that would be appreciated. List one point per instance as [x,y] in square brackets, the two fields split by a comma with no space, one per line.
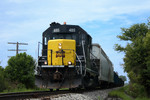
[71,96]
[92,95]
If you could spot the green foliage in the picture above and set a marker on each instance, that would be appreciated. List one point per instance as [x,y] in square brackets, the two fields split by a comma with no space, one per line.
[136,90]
[143,98]
[146,71]
[137,56]
[20,69]
[99,98]
[136,30]
[3,82]
[123,93]
[123,77]
[120,93]
[23,89]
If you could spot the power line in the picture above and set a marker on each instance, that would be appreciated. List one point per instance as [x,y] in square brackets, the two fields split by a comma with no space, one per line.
[17,47]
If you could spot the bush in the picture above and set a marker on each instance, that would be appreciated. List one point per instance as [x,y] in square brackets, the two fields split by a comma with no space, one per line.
[136,90]
[120,93]
[3,82]
[123,93]
[20,69]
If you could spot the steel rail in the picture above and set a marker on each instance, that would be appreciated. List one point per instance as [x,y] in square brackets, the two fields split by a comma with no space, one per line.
[27,95]
[43,94]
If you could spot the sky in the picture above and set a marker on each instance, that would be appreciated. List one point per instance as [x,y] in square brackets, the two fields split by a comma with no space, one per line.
[24,21]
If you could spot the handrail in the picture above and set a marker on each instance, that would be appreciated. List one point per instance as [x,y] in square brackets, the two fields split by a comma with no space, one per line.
[93,55]
[80,63]
[84,57]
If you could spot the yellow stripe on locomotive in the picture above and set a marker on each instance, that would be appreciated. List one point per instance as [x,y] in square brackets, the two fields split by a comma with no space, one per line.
[61,52]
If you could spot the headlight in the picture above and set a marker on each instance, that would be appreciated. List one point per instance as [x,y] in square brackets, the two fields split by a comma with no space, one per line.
[45,62]
[59,44]
[59,47]
[69,63]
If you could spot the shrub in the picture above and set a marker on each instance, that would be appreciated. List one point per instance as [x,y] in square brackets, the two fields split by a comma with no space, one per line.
[136,90]
[3,82]
[21,69]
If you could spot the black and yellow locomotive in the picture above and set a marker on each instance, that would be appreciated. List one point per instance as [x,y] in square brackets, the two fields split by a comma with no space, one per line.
[70,60]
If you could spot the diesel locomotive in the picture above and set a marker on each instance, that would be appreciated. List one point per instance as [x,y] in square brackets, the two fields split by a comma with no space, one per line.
[70,60]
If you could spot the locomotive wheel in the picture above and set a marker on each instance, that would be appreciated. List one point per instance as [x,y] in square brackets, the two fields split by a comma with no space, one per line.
[51,90]
[72,89]
[57,89]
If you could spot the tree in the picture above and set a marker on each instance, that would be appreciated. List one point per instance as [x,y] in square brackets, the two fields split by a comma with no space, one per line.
[1,79]
[3,83]
[21,69]
[123,77]
[137,53]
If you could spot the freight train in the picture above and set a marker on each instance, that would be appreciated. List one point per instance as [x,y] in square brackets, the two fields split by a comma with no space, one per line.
[70,60]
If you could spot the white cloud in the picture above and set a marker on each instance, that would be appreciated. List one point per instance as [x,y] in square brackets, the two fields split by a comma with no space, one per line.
[19,1]
[28,15]
[79,11]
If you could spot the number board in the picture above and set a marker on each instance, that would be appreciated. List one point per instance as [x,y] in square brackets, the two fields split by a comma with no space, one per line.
[72,30]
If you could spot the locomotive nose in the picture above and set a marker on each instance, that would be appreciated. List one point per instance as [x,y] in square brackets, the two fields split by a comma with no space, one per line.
[61,52]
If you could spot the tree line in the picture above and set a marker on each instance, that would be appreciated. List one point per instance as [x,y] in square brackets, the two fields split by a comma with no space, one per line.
[137,57]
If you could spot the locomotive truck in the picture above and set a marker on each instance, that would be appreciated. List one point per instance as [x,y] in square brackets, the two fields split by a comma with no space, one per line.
[70,60]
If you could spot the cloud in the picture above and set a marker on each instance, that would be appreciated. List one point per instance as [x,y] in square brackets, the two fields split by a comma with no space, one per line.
[19,1]
[23,17]
[75,11]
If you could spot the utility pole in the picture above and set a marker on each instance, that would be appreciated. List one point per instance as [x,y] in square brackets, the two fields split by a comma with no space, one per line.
[17,46]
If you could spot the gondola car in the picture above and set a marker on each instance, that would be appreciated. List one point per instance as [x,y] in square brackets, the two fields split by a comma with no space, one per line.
[70,60]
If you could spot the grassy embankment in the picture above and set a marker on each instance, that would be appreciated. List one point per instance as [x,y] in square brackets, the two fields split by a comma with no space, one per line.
[121,94]
[28,90]
[23,90]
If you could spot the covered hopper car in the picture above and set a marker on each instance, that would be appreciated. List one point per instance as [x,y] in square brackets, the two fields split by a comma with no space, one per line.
[70,60]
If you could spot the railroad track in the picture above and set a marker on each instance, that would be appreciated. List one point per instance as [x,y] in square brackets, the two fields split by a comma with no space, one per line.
[29,95]
[41,94]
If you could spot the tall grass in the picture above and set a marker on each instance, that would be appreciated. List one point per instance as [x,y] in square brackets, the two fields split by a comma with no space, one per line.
[121,94]
[23,90]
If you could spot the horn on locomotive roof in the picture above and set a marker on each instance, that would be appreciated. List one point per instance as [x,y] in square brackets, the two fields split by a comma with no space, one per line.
[64,23]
